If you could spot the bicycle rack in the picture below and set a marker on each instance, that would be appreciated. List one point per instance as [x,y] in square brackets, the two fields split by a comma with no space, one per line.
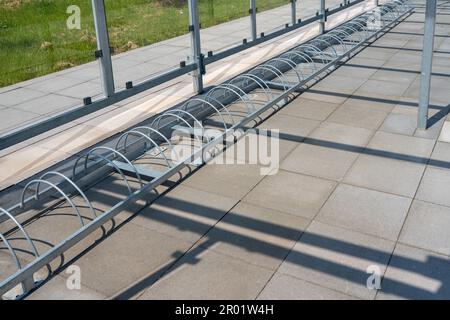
[269,80]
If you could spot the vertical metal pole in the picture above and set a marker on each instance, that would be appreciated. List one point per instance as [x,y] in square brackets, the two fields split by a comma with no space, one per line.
[294,11]
[103,49]
[324,17]
[194,27]
[427,63]
[252,12]
[376,3]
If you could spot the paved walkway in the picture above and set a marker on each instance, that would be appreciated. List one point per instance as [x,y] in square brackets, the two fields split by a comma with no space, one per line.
[34,155]
[39,98]
[358,189]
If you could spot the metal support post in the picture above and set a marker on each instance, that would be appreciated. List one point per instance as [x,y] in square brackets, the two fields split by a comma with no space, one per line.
[427,63]
[294,11]
[252,12]
[324,16]
[103,52]
[194,28]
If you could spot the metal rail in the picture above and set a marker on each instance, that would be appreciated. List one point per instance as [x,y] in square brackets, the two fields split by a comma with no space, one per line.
[240,100]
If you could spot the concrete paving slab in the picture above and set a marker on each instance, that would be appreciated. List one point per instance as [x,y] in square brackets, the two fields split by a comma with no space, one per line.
[375,213]
[416,274]
[309,109]
[281,192]
[116,263]
[433,187]
[200,274]
[184,213]
[48,104]
[233,181]
[83,90]
[319,161]
[386,175]
[358,117]
[400,123]
[441,156]
[337,259]
[369,103]
[403,147]
[426,227]
[341,134]
[12,118]
[256,235]
[19,95]
[284,287]
[292,128]
[57,289]
[382,88]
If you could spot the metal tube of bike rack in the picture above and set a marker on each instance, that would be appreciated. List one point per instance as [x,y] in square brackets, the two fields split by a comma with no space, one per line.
[23,274]
[427,64]
[103,48]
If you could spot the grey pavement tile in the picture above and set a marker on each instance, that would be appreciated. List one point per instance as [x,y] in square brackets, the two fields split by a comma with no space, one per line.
[369,103]
[310,109]
[319,161]
[257,235]
[427,227]
[440,158]
[85,89]
[57,289]
[358,117]
[326,96]
[18,96]
[400,123]
[292,193]
[365,61]
[284,287]
[385,174]
[295,129]
[437,95]
[359,70]
[416,274]
[375,213]
[340,83]
[382,88]
[434,186]
[184,213]
[200,274]
[49,104]
[377,53]
[342,136]
[86,72]
[117,262]
[54,84]
[230,180]
[11,117]
[337,259]
[401,147]
[263,149]
[394,76]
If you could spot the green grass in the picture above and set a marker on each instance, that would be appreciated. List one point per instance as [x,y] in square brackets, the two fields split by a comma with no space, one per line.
[35,41]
